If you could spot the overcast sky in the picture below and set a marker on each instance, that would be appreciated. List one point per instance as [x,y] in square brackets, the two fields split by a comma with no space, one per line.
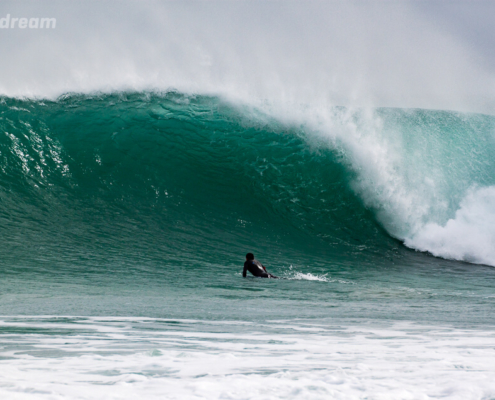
[381,53]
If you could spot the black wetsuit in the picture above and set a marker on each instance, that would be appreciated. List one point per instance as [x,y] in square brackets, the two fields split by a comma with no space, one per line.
[255,267]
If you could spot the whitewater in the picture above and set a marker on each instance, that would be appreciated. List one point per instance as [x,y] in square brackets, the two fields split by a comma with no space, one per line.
[143,153]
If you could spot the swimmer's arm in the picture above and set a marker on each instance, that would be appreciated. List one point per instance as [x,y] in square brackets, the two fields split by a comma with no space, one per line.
[263,267]
[244,272]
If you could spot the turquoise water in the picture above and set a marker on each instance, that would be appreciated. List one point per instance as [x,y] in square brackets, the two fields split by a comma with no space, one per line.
[123,214]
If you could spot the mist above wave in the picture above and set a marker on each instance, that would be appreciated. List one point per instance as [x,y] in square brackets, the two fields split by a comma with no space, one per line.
[394,54]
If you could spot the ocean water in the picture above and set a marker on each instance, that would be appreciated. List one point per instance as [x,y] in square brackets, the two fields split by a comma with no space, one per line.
[125,218]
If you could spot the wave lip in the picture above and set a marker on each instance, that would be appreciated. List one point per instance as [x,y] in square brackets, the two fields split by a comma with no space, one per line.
[428,176]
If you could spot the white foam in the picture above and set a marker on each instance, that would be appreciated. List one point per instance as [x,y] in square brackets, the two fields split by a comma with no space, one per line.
[309,277]
[469,236]
[295,275]
[292,274]
[126,358]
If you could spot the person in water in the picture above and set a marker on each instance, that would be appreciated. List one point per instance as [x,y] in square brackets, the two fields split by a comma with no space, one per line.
[255,267]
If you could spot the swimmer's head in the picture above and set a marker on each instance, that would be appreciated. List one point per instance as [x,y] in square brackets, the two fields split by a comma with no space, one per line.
[249,256]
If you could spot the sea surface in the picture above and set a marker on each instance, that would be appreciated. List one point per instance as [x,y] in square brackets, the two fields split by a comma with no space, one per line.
[125,218]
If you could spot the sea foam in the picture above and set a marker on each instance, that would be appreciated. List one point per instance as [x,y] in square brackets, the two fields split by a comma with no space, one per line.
[469,236]
[128,358]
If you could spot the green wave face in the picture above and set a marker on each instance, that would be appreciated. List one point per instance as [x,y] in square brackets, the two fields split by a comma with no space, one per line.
[103,183]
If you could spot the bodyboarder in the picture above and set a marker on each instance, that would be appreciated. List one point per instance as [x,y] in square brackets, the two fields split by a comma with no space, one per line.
[255,267]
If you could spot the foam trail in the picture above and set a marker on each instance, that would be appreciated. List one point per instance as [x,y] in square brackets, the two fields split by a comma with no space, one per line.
[309,277]
[292,274]
[300,276]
